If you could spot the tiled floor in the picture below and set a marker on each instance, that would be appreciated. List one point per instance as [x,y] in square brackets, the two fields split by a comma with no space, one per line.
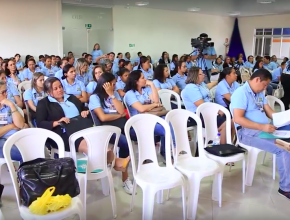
[260,201]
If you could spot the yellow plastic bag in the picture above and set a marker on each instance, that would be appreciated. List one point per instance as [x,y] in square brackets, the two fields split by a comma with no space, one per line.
[48,203]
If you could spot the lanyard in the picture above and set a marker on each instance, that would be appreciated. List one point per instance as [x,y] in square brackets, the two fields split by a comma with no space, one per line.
[259,104]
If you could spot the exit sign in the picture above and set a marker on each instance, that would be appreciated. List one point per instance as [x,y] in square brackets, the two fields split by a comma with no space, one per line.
[131,45]
[88,26]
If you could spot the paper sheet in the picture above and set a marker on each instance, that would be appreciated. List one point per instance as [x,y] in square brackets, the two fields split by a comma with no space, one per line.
[281,119]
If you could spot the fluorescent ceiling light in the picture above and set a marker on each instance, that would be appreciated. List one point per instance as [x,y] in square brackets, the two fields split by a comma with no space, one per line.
[193,9]
[142,3]
[266,1]
[235,13]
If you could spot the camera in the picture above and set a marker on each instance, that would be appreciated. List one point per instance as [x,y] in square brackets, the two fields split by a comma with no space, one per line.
[201,42]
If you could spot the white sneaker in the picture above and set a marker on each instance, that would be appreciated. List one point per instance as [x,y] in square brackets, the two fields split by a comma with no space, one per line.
[128,186]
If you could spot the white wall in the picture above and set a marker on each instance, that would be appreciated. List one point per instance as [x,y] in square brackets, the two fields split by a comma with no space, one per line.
[247,26]
[154,31]
[77,38]
[30,27]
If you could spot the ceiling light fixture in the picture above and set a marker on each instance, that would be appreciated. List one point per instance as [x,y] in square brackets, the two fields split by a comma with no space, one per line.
[266,1]
[235,13]
[142,3]
[193,9]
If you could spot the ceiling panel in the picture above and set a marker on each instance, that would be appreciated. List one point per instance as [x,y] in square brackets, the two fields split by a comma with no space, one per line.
[214,7]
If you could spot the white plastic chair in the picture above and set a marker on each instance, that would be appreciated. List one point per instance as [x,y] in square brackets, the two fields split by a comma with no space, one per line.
[209,112]
[151,177]
[25,84]
[97,139]
[125,103]
[31,150]
[253,153]
[165,96]
[1,215]
[28,115]
[212,92]
[194,168]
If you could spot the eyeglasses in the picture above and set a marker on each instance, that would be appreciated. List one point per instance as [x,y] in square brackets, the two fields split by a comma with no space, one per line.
[3,92]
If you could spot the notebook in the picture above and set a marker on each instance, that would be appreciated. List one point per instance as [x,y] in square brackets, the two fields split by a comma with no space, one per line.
[82,166]
[275,135]
[281,119]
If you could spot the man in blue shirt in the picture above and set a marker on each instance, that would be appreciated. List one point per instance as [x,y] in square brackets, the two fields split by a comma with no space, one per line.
[268,64]
[276,74]
[250,113]
[204,59]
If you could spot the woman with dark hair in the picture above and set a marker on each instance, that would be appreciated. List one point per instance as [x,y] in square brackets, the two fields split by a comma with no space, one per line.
[19,63]
[226,86]
[250,63]
[151,61]
[26,61]
[97,52]
[97,72]
[218,65]
[3,65]
[162,80]
[258,65]
[286,59]
[128,65]
[180,77]
[164,58]
[106,103]
[12,73]
[227,63]
[121,81]
[188,62]
[174,61]
[233,61]
[144,66]
[239,63]
[141,97]
[73,86]
[28,73]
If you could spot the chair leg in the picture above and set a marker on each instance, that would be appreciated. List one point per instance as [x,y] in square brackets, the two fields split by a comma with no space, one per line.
[194,187]
[217,185]
[251,166]
[159,199]
[274,166]
[168,194]
[244,175]
[148,204]
[112,194]
[264,157]
[83,192]
[105,186]
[133,196]
[183,192]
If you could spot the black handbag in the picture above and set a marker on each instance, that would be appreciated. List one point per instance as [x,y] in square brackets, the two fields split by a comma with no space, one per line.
[77,124]
[37,175]
[224,150]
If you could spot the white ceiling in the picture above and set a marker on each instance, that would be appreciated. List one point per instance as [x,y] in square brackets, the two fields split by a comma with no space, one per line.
[214,7]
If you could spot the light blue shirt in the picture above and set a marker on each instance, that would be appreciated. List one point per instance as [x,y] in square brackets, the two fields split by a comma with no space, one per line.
[276,64]
[147,74]
[19,64]
[85,78]
[135,68]
[55,68]
[91,87]
[168,84]
[48,72]
[69,108]
[28,74]
[32,94]
[244,98]
[276,73]
[137,60]
[219,67]
[40,64]
[6,110]
[271,66]
[172,66]
[115,69]
[10,80]
[188,65]
[120,85]
[95,54]
[193,93]
[179,80]
[238,65]
[109,107]
[208,62]
[75,89]
[131,61]
[12,91]
[249,65]
[132,97]
[59,74]
[224,88]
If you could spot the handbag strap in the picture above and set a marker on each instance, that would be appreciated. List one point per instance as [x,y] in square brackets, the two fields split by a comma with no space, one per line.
[37,173]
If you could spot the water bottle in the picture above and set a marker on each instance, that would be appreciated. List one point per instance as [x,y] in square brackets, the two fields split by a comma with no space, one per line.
[217,140]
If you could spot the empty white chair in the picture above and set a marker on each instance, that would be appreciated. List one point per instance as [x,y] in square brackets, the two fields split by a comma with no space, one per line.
[25,85]
[150,176]
[209,112]
[97,139]
[31,150]
[194,168]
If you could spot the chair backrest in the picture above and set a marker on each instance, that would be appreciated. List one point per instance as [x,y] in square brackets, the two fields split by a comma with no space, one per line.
[20,111]
[95,118]
[165,96]
[28,115]
[97,139]
[144,125]
[212,92]
[31,144]
[25,84]
[178,120]
[209,113]
[272,100]
[125,103]
[45,78]
[238,139]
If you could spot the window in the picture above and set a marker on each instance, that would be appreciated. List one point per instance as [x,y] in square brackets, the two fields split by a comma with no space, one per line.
[272,41]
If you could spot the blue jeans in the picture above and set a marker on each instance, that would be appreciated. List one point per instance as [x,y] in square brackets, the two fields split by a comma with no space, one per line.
[15,153]
[123,144]
[269,90]
[250,137]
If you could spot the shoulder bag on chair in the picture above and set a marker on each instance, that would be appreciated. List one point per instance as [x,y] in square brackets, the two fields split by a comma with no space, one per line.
[279,92]
[77,124]
[37,175]
[224,150]
[158,111]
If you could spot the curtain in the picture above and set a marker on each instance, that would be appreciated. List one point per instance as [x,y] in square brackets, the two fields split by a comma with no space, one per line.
[236,45]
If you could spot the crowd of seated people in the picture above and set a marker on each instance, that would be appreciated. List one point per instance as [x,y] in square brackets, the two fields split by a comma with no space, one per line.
[103,86]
